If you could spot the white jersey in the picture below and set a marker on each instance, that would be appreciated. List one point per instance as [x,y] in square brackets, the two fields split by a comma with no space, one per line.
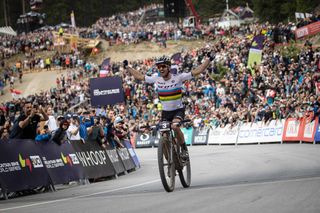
[170,91]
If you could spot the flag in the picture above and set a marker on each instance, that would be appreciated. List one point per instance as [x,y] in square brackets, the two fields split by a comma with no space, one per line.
[73,21]
[257,42]
[105,64]
[16,94]
[177,58]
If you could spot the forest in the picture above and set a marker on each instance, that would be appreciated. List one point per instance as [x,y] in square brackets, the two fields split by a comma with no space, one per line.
[88,11]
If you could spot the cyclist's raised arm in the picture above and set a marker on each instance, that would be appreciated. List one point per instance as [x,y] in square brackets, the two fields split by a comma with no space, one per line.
[203,66]
[136,74]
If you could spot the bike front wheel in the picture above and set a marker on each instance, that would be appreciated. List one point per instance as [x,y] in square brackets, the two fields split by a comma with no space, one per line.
[185,173]
[166,165]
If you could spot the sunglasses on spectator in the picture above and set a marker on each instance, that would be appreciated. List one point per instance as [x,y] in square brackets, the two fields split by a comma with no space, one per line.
[162,66]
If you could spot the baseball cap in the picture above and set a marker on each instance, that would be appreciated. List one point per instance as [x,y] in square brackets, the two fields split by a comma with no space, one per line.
[118,120]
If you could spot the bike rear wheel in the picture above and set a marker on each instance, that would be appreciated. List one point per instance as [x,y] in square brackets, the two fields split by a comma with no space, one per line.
[166,165]
[185,173]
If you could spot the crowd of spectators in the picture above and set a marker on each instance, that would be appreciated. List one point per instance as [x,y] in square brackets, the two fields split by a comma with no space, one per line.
[278,88]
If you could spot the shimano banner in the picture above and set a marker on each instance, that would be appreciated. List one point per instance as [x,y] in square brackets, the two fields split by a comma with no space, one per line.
[260,132]
[200,136]
[187,133]
[61,161]
[106,91]
[144,140]
[21,166]
[225,135]
[94,160]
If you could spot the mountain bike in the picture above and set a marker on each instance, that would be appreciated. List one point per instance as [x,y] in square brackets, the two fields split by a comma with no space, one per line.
[170,160]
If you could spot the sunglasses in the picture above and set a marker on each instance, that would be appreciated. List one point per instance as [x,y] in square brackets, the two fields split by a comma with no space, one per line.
[162,66]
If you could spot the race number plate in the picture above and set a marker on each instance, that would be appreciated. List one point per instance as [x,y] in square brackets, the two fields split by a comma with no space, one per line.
[164,126]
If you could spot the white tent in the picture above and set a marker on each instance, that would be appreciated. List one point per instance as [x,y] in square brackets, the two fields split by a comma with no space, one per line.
[7,31]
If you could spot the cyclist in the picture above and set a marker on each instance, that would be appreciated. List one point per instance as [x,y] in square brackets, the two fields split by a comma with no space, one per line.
[169,88]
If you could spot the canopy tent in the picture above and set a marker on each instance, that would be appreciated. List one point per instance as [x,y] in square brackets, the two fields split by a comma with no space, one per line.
[7,31]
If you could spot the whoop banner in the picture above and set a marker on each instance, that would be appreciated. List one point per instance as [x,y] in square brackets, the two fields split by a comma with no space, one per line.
[106,91]
[95,161]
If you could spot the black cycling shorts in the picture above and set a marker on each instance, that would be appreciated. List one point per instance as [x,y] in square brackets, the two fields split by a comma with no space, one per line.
[170,115]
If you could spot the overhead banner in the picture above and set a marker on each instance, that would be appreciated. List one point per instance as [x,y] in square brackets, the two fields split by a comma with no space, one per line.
[188,135]
[106,91]
[21,166]
[144,140]
[132,153]
[260,132]
[225,135]
[200,136]
[61,161]
[95,161]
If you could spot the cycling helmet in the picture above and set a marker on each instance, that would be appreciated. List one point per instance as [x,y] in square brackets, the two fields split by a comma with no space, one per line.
[163,60]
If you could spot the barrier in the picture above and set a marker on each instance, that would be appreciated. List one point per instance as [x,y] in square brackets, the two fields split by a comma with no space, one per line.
[61,162]
[226,135]
[200,136]
[292,130]
[275,131]
[21,166]
[26,164]
[95,161]
[260,132]
[309,129]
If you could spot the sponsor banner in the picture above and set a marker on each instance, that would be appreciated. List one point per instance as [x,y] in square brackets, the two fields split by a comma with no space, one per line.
[61,161]
[106,91]
[309,129]
[144,140]
[310,29]
[260,133]
[21,166]
[292,130]
[126,158]
[95,161]
[200,136]
[132,153]
[115,160]
[187,133]
[317,135]
[156,139]
[226,135]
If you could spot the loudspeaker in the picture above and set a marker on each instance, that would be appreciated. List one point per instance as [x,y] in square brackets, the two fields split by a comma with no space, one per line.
[174,8]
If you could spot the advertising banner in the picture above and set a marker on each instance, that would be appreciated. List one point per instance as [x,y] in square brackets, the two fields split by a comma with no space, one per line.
[61,161]
[292,130]
[115,160]
[188,135]
[226,135]
[126,159]
[132,153]
[310,29]
[317,135]
[156,139]
[95,161]
[144,140]
[21,166]
[309,129]
[200,136]
[106,91]
[260,132]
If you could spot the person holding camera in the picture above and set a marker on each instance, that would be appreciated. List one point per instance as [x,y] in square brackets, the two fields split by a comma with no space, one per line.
[73,130]
[25,126]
